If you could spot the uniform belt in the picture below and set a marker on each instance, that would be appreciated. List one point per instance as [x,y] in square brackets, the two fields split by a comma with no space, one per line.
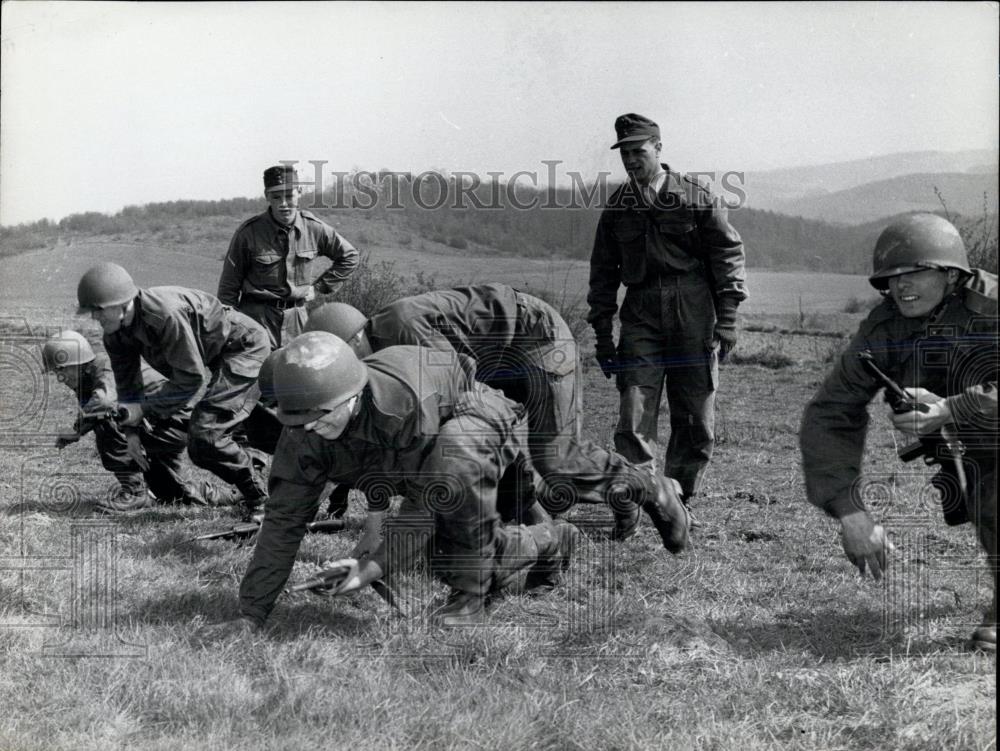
[282,303]
[662,278]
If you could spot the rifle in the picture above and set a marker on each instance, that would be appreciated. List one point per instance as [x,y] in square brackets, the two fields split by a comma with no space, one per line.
[329,579]
[248,529]
[934,448]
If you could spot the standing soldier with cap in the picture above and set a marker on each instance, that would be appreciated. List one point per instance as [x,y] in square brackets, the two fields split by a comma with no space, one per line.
[402,421]
[157,457]
[209,354]
[268,271]
[936,335]
[523,347]
[669,242]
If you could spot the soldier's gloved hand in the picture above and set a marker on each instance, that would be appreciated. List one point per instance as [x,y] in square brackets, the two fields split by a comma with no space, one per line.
[865,543]
[917,422]
[607,355]
[132,414]
[65,439]
[725,327]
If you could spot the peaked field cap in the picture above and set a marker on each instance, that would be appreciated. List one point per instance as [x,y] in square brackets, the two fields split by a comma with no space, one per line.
[280,177]
[633,127]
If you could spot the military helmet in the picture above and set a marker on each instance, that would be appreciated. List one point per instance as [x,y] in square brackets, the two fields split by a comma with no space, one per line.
[919,241]
[337,318]
[314,373]
[265,378]
[64,349]
[103,286]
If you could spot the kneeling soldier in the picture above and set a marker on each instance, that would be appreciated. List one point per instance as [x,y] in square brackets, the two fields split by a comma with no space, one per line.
[401,421]
[69,355]
[936,334]
[209,355]
[523,347]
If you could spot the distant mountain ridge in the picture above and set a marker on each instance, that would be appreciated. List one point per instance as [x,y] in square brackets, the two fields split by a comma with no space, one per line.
[896,183]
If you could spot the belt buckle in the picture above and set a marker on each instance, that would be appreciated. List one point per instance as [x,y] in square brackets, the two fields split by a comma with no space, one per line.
[282,303]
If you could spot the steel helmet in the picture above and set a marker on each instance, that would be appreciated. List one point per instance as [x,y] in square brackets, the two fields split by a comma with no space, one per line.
[265,378]
[337,318]
[66,348]
[920,241]
[103,286]
[314,373]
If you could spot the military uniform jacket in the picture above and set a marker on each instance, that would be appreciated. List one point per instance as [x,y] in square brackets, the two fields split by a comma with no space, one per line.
[186,336]
[684,230]
[952,353]
[492,324]
[264,259]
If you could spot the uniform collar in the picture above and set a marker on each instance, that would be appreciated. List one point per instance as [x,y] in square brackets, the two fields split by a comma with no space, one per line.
[297,225]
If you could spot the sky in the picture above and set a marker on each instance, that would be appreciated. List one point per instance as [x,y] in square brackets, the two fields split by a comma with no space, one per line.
[110,104]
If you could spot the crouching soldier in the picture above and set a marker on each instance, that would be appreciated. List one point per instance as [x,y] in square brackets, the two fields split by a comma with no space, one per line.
[156,454]
[935,334]
[523,347]
[405,418]
[209,355]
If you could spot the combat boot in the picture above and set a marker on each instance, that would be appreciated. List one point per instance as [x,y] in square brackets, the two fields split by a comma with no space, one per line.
[668,514]
[554,558]
[461,609]
[126,501]
[626,524]
[216,495]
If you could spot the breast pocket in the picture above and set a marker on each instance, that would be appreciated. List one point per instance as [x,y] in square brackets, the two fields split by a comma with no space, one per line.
[267,267]
[677,230]
[630,235]
[303,262]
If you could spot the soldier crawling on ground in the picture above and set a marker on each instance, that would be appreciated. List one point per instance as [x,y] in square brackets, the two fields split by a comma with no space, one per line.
[404,417]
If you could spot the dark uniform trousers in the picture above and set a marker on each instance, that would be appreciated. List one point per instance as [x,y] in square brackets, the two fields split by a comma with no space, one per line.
[666,345]
[163,441]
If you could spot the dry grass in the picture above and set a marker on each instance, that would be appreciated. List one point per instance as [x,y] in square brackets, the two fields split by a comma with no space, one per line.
[760,635]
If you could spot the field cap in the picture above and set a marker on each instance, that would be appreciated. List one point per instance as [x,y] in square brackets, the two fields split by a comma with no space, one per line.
[633,127]
[280,177]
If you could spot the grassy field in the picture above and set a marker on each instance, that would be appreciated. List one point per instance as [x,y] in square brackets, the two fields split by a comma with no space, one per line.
[761,635]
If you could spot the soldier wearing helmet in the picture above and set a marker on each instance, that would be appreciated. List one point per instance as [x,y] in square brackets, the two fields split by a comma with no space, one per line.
[269,271]
[669,242]
[70,357]
[208,354]
[523,347]
[935,333]
[403,421]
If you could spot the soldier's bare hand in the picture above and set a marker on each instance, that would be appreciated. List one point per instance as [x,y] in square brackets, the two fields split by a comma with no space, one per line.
[865,543]
[916,422]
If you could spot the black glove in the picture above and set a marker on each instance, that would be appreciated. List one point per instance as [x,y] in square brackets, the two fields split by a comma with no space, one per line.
[725,327]
[607,356]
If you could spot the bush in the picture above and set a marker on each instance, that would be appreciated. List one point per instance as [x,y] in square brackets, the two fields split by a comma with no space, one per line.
[860,305]
[374,285]
[769,357]
[458,242]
